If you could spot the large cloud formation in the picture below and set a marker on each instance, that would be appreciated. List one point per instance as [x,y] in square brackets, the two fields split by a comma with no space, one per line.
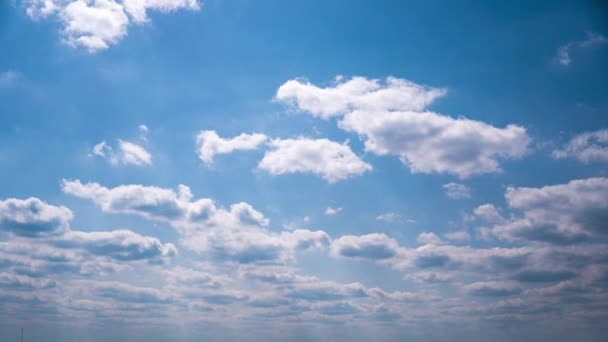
[392,118]
[237,234]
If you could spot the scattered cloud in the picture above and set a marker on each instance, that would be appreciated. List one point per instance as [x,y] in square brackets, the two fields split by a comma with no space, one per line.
[356,93]
[330,160]
[210,144]
[332,211]
[586,147]
[32,217]
[428,238]
[126,153]
[389,217]
[564,52]
[560,214]
[235,234]
[97,24]
[393,121]
[457,191]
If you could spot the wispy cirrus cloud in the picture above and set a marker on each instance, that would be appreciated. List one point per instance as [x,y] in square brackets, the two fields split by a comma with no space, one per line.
[564,52]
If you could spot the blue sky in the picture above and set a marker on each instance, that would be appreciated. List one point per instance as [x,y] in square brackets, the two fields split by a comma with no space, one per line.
[192,170]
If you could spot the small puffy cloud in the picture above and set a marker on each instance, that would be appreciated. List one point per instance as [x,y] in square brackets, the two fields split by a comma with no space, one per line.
[210,144]
[586,147]
[493,289]
[94,25]
[565,51]
[456,190]
[32,217]
[304,239]
[127,153]
[332,211]
[357,93]
[97,24]
[392,119]
[330,160]
[133,154]
[488,213]
[371,246]
[560,214]
[428,238]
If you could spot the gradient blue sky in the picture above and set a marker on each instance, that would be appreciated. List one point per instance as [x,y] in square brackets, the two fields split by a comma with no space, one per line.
[183,170]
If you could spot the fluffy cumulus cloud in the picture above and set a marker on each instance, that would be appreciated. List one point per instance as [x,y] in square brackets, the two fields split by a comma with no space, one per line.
[562,214]
[38,247]
[32,217]
[357,93]
[210,144]
[330,160]
[392,119]
[126,153]
[97,24]
[428,142]
[586,147]
[236,234]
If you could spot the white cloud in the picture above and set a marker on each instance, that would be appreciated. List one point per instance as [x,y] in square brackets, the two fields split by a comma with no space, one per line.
[586,147]
[330,160]
[43,242]
[332,211]
[211,144]
[428,238]
[457,190]
[564,52]
[560,214]
[371,246]
[433,143]
[389,217]
[137,9]
[123,245]
[133,154]
[488,213]
[97,24]
[33,217]
[357,93]
[94,25]
[393,121]
[128,153]
[237,234]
